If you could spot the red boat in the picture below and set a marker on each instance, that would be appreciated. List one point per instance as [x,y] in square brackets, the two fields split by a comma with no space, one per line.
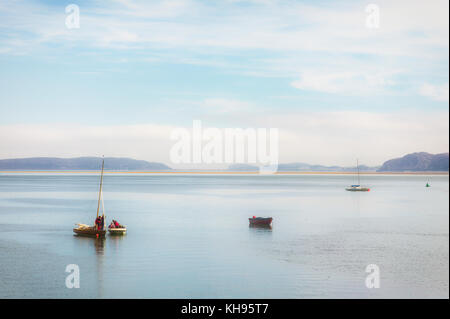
[260,221]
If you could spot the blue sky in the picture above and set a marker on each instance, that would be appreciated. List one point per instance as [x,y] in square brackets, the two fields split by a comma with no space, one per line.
[311,68]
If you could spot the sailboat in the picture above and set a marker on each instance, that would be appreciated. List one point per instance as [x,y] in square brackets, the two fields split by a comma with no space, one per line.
[94,231]
[357,188]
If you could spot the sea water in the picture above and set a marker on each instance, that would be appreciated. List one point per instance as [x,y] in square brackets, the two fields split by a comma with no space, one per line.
[188,236]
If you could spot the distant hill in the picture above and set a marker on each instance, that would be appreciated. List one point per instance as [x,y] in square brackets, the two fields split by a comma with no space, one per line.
[417,162]
[242,167]
[322,168]
[78,163]
[303,167]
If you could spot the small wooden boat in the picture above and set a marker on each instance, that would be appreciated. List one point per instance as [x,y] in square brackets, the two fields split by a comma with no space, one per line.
[115,228]
[117,231]
[260,221]
[90,231]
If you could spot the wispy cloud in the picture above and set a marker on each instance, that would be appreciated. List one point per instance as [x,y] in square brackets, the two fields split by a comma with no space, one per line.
[346,82]
[143,141]
[219,105]
[271,25]
[274,37]
[435,92]
[306,137]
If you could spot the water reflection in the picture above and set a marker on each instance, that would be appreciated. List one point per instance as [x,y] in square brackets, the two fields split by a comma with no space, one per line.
[97,243]
[261,227]
[99,247]
[115,241]
[260,230]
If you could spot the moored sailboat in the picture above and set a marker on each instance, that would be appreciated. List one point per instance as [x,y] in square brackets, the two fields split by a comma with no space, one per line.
[357,187]
[98,230]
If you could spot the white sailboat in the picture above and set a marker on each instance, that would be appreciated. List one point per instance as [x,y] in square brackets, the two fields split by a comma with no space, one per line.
[357,187]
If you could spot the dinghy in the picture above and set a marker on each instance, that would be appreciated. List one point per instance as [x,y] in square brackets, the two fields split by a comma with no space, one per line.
[260,221]
[117,229]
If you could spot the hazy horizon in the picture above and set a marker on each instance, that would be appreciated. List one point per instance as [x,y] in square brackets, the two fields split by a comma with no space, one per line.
[210,166]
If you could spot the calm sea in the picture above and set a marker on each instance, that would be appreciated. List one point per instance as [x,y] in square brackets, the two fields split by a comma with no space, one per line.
[188,236]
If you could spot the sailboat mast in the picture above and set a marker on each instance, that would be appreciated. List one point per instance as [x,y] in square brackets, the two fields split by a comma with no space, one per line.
[357,167]
[101,183]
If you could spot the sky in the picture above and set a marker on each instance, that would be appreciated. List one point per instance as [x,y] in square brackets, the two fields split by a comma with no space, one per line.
[336,88]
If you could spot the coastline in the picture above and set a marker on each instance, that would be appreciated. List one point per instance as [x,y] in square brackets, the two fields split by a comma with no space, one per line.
[187,172]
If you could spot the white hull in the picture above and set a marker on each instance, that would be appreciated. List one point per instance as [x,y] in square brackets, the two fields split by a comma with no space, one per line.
[358,189]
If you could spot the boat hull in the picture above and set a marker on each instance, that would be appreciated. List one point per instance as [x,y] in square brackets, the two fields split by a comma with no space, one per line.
[260,221]
[117,231]
[90,232]
[357,189]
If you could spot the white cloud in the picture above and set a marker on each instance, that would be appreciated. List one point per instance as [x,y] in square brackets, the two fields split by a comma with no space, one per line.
[225,105]
[153,9]
[345,82]
[262,38]
[196,32]
[409,28]
[435,92]
[120,36]
[146,141]
[326,138]
[330,138]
